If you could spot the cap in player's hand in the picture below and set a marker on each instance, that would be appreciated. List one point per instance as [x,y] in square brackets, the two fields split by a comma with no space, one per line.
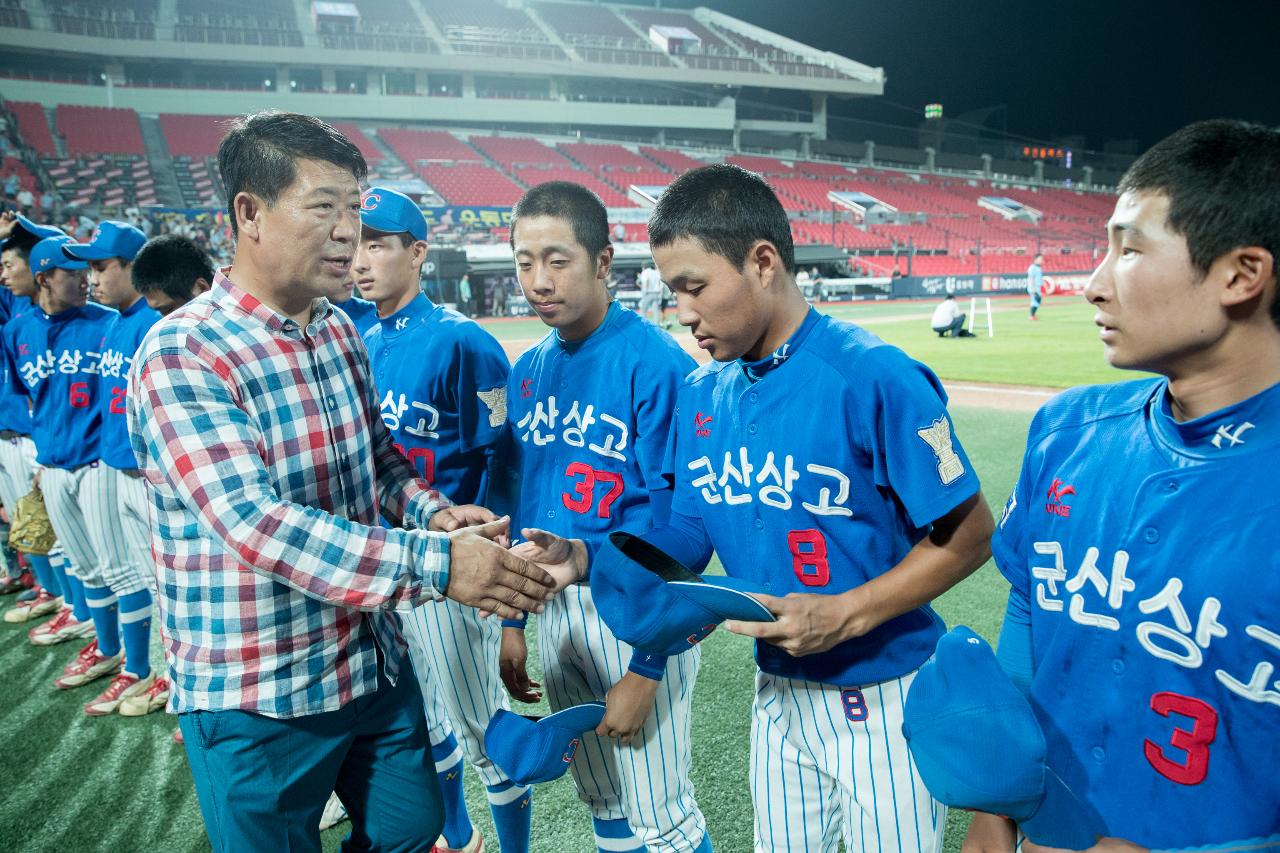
[657,605]
[977,745]
[538,749]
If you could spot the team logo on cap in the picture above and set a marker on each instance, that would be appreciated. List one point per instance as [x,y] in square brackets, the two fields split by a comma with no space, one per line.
[1058,494]
[370,201]
[701,634]
[570,751]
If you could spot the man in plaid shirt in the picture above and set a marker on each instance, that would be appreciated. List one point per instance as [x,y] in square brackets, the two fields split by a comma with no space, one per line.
[253,413]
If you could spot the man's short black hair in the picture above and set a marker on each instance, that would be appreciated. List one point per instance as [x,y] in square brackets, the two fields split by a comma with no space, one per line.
[725,209]
[575,204]
[257,155]
[22,242]
[171,264]
[1222,179]
[367,233]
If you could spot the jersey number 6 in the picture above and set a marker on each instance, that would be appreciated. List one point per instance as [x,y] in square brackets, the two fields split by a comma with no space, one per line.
[584,490]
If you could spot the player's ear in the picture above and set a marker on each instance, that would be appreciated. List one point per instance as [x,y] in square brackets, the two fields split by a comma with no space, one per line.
[604,262]
[1245,273]
[419,250]
[200,286]
[764,261]
[248,212]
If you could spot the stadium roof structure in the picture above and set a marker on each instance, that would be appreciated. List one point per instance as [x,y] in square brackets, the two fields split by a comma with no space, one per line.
[513,63]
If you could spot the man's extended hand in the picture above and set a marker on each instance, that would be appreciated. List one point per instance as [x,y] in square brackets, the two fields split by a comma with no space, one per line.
[564,559]
[513,657]
[8,220]
[485,575]
[807,623]
[453,518]
[627,706]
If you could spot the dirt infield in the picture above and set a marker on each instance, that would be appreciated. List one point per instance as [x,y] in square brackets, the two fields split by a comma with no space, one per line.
[1008,398]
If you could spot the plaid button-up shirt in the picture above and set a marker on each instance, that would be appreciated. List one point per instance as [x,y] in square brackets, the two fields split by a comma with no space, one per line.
[269,464]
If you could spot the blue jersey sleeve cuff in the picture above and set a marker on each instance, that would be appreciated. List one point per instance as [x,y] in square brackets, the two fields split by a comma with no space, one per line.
[647,665]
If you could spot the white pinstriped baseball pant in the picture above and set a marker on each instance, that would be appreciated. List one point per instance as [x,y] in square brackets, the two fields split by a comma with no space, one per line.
[647,781]
[65,496]
[830,763]
[115,510]
[455,658]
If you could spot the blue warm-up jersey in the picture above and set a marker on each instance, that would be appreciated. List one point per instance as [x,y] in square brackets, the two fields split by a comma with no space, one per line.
[1148,554]
[56,358]
[118,349]
[442,385]
[814,471]
[363,313]
[590,427]
[15,408]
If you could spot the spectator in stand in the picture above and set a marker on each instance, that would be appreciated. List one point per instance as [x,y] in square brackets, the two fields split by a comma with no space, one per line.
[1035,283]
[47,201]
[26,200]
[948,319]
[11,185]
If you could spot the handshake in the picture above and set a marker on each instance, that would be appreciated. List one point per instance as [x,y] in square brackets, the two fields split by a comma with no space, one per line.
[487,573]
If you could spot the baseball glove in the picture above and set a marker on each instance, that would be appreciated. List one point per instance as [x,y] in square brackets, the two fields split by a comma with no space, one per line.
[30,530]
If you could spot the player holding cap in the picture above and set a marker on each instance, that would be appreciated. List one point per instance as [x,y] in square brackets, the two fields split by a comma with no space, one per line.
[1140,539]
[442,385]
[820,463]
[589,429]
[57,352]
[18,236]
[115,507]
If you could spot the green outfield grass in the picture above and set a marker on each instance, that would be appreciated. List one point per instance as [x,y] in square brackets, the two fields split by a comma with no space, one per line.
[1059,350]
[74,783]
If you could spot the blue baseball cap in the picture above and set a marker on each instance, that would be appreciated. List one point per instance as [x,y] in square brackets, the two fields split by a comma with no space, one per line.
[657,605]
[392,212]
[41,232]
[111,239]
[977,745]
[538,749]
[47,255]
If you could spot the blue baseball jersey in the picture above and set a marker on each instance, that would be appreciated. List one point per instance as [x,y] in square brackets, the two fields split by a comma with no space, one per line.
[363,313]
[814,471]
[118,348]
[1146,551]
[442,388]
[589,427]
[56,358]
[15,406]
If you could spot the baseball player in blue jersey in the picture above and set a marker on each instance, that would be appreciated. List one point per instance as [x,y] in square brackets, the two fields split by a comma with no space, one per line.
[57,353]
[363,312]
[115,496]
[589,428]
[820,464]
[1140,540]
[17,451]
[442,385]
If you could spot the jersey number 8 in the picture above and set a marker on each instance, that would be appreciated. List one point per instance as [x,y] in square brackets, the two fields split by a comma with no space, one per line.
[809,557]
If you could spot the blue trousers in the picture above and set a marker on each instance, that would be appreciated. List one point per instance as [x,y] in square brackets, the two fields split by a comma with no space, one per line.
[263,782]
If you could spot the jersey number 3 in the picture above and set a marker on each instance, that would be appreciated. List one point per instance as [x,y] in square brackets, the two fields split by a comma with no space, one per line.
[1195,741]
